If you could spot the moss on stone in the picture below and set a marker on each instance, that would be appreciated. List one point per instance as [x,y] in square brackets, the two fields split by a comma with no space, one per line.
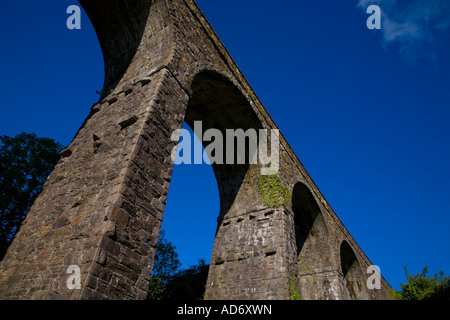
[273,192]
[293,291]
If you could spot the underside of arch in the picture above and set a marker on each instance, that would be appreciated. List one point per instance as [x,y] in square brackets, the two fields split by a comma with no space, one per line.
[353,278]
[313,268]
[218,104]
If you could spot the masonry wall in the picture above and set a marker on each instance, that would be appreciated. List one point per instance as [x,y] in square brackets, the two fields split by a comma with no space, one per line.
[102,207]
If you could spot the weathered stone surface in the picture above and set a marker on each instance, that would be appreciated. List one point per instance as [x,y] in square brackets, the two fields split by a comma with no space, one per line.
[102,207]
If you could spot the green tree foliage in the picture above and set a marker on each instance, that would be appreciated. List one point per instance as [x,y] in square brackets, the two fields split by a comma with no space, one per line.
[423,287]
[164,268]
[168,282]
[166,259]
[189,283]
[25,163]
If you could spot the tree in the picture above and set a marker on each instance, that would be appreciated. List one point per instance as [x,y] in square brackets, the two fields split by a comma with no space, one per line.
[423,287]
[165,266]
[25,163]
[189,283]
[168,282]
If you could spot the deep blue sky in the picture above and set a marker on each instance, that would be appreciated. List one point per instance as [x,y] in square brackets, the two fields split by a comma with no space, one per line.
[366,111]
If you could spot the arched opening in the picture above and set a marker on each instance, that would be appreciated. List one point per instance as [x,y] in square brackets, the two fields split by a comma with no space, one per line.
[189,224]
[306,211]
[311,242]
[218,104]
[197,205]
[125,21]
[351,271]
[310,228]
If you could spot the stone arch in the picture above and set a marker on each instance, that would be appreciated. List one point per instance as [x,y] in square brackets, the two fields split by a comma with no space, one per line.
[129,21]
[220,104]
[312,246]
[353,276]
[217,102]
[197,68]
[311,230]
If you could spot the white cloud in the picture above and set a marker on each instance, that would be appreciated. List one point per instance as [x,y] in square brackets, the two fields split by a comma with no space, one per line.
[412,24]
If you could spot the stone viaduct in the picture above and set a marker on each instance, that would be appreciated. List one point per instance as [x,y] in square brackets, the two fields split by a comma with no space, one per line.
[101,209]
